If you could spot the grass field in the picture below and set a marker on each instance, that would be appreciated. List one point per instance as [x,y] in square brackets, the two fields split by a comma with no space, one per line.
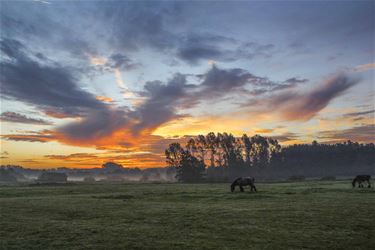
[310,215]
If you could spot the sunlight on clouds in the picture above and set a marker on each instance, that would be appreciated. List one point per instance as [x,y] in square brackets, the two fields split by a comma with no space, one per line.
[364,67]
[96,60]
[125,91]
[119,80]
[204,125]
[104,98]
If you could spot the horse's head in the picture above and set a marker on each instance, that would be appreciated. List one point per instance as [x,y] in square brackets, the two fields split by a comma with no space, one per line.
[354,181]
[232,187]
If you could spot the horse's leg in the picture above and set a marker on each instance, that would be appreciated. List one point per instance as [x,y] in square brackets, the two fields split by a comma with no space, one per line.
[241,188]
[369,183]
[253,188]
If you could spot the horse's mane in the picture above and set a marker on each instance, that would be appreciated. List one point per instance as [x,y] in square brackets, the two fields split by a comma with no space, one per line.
[236,180]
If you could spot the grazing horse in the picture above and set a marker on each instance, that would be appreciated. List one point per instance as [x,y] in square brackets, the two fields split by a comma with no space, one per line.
[360,179]
[243,181]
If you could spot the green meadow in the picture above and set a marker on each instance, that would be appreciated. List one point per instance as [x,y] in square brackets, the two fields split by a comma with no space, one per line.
[301,215]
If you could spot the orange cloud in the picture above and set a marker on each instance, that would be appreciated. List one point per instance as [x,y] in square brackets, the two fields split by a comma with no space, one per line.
[41,136]
[104,98]
[264,131]
[97,60]
[58,115]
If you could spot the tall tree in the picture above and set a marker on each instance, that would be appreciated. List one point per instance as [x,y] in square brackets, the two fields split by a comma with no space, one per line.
[211,143]
[201,145]
[247,148]
[174,154]
[188,167]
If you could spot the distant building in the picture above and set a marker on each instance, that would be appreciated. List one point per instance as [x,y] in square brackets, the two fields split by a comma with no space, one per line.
[51,177]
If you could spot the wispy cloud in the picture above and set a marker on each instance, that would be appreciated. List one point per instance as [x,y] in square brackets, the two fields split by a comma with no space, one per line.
[365,67]
[296,105]
[41,136]
[360,113]
[365,133]
[19,118]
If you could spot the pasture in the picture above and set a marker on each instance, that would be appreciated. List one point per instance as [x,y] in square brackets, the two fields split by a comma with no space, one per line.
[301,215]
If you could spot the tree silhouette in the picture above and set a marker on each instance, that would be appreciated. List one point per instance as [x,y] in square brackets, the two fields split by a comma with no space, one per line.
[229,156]
[189,168]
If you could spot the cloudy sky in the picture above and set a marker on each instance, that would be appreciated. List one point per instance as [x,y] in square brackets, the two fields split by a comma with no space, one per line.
[85,82]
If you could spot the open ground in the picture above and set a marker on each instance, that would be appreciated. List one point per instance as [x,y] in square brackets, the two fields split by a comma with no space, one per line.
[309,215]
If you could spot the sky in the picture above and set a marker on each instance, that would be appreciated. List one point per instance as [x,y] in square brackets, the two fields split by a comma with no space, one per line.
[86,82]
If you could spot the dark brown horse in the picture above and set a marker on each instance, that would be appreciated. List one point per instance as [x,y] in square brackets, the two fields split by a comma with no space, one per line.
[360,179]
[243,181]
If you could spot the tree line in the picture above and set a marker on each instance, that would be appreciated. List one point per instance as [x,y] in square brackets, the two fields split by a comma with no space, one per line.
[222,157]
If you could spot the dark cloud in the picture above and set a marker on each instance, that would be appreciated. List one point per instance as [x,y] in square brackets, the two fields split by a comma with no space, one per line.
[197,47]
[155,23]
[354,114]
[127,26]
[365,133]
[162,103]
[121,61]
[54,89]
[164,100]
[97,123]
[74,157]
[42,136]
[295,80]
[23,19]
[222,80]
[303,106]
[116,61]
[11,48]
[289,136]
[150,19]
[193,54]
[46,86]
[219,82]
[19,118]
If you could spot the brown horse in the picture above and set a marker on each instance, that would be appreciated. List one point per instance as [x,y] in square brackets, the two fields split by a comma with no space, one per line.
[360,179]
[243,181]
